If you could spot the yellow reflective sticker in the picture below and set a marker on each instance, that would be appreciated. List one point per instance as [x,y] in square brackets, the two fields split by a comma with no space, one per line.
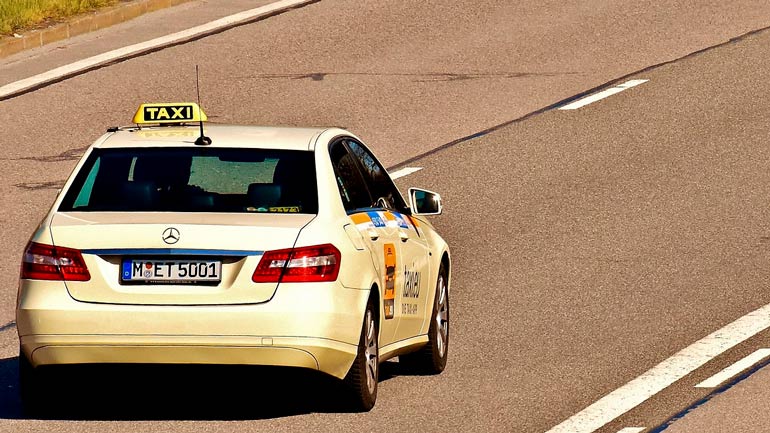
[284,209]
[157,133]
[169,113]
[360,218]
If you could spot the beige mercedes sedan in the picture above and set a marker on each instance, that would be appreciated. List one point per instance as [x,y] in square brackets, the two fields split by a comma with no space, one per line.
[179,242]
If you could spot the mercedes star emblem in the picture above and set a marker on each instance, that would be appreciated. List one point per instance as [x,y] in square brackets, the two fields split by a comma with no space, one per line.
[171,235]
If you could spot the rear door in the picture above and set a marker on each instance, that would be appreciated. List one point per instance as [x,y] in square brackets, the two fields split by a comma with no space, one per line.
[410,283]
[381,238]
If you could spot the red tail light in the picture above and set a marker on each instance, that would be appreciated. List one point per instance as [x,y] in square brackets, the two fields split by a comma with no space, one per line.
[46,262]
[299,265]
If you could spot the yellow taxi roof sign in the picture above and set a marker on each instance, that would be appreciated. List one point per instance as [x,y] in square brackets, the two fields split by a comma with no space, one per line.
[178,112]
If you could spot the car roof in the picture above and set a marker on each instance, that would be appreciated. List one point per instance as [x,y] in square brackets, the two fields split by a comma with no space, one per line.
[265,137]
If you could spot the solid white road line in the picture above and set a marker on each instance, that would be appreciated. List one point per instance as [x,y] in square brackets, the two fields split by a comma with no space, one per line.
[601,95]
[734,369]
[632,430]
[664,374]
[403,172]
[132,50]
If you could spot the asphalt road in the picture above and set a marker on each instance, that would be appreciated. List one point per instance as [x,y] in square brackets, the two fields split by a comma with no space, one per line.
[621,233]
[589,245]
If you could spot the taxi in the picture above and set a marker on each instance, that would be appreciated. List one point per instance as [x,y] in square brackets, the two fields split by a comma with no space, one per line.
[175,243]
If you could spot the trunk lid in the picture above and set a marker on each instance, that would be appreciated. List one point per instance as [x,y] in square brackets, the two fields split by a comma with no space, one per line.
[238,241]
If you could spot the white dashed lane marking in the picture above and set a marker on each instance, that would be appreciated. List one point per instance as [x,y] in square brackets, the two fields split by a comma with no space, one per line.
[404,172]
[733,370]
[601,95]
[666,373]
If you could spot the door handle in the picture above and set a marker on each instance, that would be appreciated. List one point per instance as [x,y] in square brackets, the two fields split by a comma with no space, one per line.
[404,236]
[373,235]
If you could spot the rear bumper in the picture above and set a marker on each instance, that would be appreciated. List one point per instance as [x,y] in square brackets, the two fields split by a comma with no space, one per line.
[304,325]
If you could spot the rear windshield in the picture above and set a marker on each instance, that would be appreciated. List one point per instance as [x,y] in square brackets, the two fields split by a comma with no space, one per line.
[195,180]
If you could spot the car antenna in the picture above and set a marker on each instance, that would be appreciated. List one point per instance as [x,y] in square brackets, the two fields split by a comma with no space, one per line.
[202,140]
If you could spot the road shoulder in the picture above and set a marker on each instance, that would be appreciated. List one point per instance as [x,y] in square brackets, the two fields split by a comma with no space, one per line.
[140,29]
[81,24]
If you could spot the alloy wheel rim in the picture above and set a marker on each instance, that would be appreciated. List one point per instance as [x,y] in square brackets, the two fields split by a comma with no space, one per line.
[442,318]
[370,353]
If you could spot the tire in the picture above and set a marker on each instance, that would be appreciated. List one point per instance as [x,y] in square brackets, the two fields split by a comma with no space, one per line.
[361,380]
[431,358]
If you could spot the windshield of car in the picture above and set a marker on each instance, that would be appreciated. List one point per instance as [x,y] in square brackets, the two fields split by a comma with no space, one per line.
[195,180]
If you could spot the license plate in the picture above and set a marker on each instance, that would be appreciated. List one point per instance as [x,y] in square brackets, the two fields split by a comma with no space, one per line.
[171,271]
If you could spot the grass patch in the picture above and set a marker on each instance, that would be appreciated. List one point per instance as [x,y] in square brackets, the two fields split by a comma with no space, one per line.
[18,15]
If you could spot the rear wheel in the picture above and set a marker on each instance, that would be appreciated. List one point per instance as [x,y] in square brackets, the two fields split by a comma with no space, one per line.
[431,358]
[362,378]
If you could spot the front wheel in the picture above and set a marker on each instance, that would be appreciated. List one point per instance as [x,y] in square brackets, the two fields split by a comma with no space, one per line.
[362,378]
[431,358]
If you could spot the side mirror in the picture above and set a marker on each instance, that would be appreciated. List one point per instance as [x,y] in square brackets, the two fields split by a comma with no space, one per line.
[424,202]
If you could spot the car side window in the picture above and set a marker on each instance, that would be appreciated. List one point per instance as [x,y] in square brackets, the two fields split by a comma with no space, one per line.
[381,187]
[352,187]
